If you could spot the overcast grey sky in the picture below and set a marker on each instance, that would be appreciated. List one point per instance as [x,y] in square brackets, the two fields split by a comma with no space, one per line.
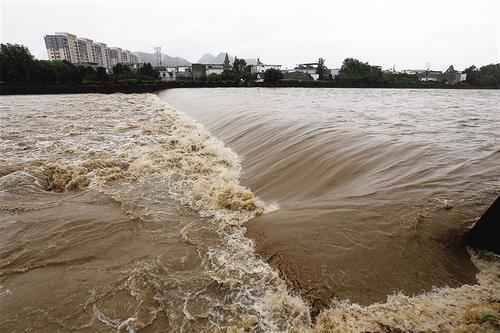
[404,33]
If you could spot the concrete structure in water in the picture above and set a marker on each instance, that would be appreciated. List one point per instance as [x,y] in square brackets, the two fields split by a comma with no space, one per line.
[84,51]
[485,232]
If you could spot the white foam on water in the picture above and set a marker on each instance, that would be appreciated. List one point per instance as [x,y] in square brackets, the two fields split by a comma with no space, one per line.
[4,291]
[204,175]
[101,141]
[469,308]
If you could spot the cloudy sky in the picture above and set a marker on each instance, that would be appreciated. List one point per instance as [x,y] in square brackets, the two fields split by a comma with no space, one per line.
[404,33]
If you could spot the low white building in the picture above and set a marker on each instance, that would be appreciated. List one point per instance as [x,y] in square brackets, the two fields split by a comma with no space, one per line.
[214,69]
[261,68]
[334,72]
[174,73]
[413,71]
[167,73]
[424,74]
[309,68]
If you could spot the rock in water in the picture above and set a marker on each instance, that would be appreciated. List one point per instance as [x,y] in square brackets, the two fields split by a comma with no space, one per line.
[486,232]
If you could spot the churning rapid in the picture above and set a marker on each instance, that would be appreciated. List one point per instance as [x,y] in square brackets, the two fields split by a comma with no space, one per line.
[345,214]
[119,213]
[375,188]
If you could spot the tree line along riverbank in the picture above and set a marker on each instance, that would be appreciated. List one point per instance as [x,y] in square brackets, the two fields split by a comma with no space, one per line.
[21,73]
[152,87]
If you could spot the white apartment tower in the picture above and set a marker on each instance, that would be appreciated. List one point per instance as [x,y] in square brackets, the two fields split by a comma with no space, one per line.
[85,50]
[134,59]
[125,57]
[66,46]
[129,58]
[62,46]
[101,55]
[115,56]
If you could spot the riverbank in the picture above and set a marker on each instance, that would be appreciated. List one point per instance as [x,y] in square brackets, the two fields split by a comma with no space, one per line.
[151,87]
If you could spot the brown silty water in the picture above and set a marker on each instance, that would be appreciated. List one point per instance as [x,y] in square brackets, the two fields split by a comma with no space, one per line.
[120,213]
[375,188]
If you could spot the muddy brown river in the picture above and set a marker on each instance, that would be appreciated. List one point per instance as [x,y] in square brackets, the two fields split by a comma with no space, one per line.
[267,210]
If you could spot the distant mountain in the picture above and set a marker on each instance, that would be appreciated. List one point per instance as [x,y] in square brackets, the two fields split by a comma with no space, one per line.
[251,61]
[208,58]
[166,59]
[211,59]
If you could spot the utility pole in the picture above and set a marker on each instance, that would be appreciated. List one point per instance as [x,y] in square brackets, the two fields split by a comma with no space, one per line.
[158,55]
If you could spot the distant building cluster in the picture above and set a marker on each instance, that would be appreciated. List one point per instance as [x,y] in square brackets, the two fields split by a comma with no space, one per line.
[199,71]
[450,76]
[84,51]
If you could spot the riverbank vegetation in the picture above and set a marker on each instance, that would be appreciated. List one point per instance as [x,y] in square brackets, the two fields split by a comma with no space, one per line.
[21,73]
[18,66]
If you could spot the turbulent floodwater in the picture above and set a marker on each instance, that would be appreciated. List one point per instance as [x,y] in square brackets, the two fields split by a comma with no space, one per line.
[121,213]
[375,188]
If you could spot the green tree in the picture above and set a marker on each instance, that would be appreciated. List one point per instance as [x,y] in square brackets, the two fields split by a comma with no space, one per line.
[87,73]
[66,72]
[148,70]
[272,75]
[101,74]
[322,70]
[229,75]
[489,75]
[239,66]
[472,75]
[16,63]
[356,71]
[214,77]
[239,69]
[121,70]
[57,71]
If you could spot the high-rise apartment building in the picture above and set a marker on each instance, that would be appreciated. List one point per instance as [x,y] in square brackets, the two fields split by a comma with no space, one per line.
[85,50]
[115,56]
[133,58]
[65,46]
[62,46]
[125,57]
[101,55]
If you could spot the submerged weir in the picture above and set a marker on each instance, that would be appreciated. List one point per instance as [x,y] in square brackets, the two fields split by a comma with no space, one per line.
[119,212]
[137,211]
